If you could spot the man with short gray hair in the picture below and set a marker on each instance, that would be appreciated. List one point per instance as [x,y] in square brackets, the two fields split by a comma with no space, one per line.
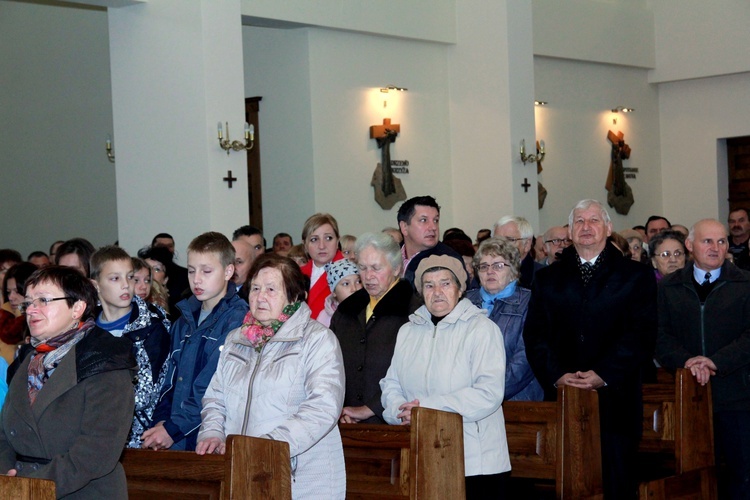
[518,231]
[592,324]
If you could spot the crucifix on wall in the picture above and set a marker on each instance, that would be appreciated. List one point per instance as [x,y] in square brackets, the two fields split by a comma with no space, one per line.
[388,187]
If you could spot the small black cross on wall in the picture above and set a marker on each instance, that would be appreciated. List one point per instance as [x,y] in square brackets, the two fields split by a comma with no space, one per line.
[525,185]
[229,178]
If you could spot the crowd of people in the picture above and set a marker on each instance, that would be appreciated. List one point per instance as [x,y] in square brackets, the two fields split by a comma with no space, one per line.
[288,341]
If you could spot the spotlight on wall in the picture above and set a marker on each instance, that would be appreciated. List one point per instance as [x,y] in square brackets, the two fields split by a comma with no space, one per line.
[623,109]
[228,144]
[537,158]
[540,103]
[387,89]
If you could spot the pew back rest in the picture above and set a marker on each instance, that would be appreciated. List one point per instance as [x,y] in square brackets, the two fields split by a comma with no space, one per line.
[557,441]
[678,421]
[252,468]
[424,460]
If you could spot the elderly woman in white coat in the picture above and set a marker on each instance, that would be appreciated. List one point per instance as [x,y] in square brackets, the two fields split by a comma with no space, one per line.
[451,357]
[281,376]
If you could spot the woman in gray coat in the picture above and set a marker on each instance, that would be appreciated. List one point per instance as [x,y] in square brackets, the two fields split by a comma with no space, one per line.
[68,411]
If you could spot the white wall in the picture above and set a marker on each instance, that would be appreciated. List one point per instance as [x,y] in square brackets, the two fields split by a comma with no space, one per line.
[696,39]
[277,69]
[574,127]
[616,32]
[426,20]
[696,117]
[56,112]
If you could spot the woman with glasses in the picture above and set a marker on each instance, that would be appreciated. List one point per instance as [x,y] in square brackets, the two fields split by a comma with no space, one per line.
[497,263]
[668,252]
[67,416]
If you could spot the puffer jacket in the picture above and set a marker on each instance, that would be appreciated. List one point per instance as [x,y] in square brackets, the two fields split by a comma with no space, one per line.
[293,391]
[457,366]
[509,314]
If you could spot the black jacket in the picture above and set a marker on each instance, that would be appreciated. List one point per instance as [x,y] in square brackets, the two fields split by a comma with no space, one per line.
[608,326]
[720,330]
[368,347]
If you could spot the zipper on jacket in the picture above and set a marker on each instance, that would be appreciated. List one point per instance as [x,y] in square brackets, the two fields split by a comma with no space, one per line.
[429,359]
[250,392]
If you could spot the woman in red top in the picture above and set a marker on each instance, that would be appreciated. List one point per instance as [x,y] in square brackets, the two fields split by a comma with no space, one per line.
[321,237]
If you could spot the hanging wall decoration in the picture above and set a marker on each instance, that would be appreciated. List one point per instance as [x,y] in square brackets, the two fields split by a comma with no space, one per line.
[620,195]
[388,188]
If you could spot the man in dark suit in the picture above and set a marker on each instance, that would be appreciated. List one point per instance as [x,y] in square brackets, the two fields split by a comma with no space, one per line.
[592,324]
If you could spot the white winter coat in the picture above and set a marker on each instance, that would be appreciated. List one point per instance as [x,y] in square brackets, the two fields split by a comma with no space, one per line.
[456,366]
[293,391]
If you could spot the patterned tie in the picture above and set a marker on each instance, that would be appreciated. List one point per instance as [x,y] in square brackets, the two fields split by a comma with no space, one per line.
[587,270]
[706,279]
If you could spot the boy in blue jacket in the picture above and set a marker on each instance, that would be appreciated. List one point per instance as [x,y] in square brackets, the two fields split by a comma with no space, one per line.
[208,315]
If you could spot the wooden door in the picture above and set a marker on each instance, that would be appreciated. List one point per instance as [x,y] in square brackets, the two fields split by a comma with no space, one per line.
[738,159]
[254,195]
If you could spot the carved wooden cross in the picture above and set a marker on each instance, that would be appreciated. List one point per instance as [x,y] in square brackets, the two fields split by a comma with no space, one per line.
[229,178]
[386,134]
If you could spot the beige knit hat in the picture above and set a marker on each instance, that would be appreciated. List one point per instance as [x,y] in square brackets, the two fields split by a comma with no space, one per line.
[452,264]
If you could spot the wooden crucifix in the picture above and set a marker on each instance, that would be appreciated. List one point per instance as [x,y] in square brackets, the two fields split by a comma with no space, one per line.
[620,195]
[388,188]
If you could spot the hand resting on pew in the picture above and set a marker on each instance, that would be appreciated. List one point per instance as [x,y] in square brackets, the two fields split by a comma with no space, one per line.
[211,445]
[405,414]
[355,414]
[588,380]
[157,438]
[702,368]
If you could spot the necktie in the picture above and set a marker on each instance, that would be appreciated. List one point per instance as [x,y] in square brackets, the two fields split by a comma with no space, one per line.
[706,280]
[586,271]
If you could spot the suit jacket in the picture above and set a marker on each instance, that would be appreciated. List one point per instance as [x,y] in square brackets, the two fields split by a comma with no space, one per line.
[608,326]
[77,427]
[367,347]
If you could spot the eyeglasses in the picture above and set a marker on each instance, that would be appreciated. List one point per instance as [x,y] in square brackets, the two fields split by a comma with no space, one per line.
[496,266]
[557,241]
[667,254]
[513,240]
[40,302]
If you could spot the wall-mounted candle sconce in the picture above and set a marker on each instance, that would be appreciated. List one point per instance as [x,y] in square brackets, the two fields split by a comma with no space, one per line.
[540,103]
[228,144]
[624,109]
[110,151]
[537,158]
[387,89]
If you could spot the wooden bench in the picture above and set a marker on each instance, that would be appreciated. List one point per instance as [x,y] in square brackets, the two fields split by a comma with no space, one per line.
[26,488]
[424,460]
[558,442]
[678,445]
[252,468]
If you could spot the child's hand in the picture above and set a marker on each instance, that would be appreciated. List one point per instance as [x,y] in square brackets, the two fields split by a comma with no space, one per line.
[157,438]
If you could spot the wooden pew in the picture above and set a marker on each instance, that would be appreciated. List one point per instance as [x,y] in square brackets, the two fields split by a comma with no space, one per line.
[424,460]
[26,488]
[252,468]
[677,444]
[557,441]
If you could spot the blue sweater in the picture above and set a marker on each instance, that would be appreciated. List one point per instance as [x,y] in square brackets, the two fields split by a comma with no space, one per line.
[192,363]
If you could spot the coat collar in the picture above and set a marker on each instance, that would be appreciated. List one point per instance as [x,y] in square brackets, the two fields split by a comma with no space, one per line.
[729,272]
[395,302]
[291,331]
[463,311]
